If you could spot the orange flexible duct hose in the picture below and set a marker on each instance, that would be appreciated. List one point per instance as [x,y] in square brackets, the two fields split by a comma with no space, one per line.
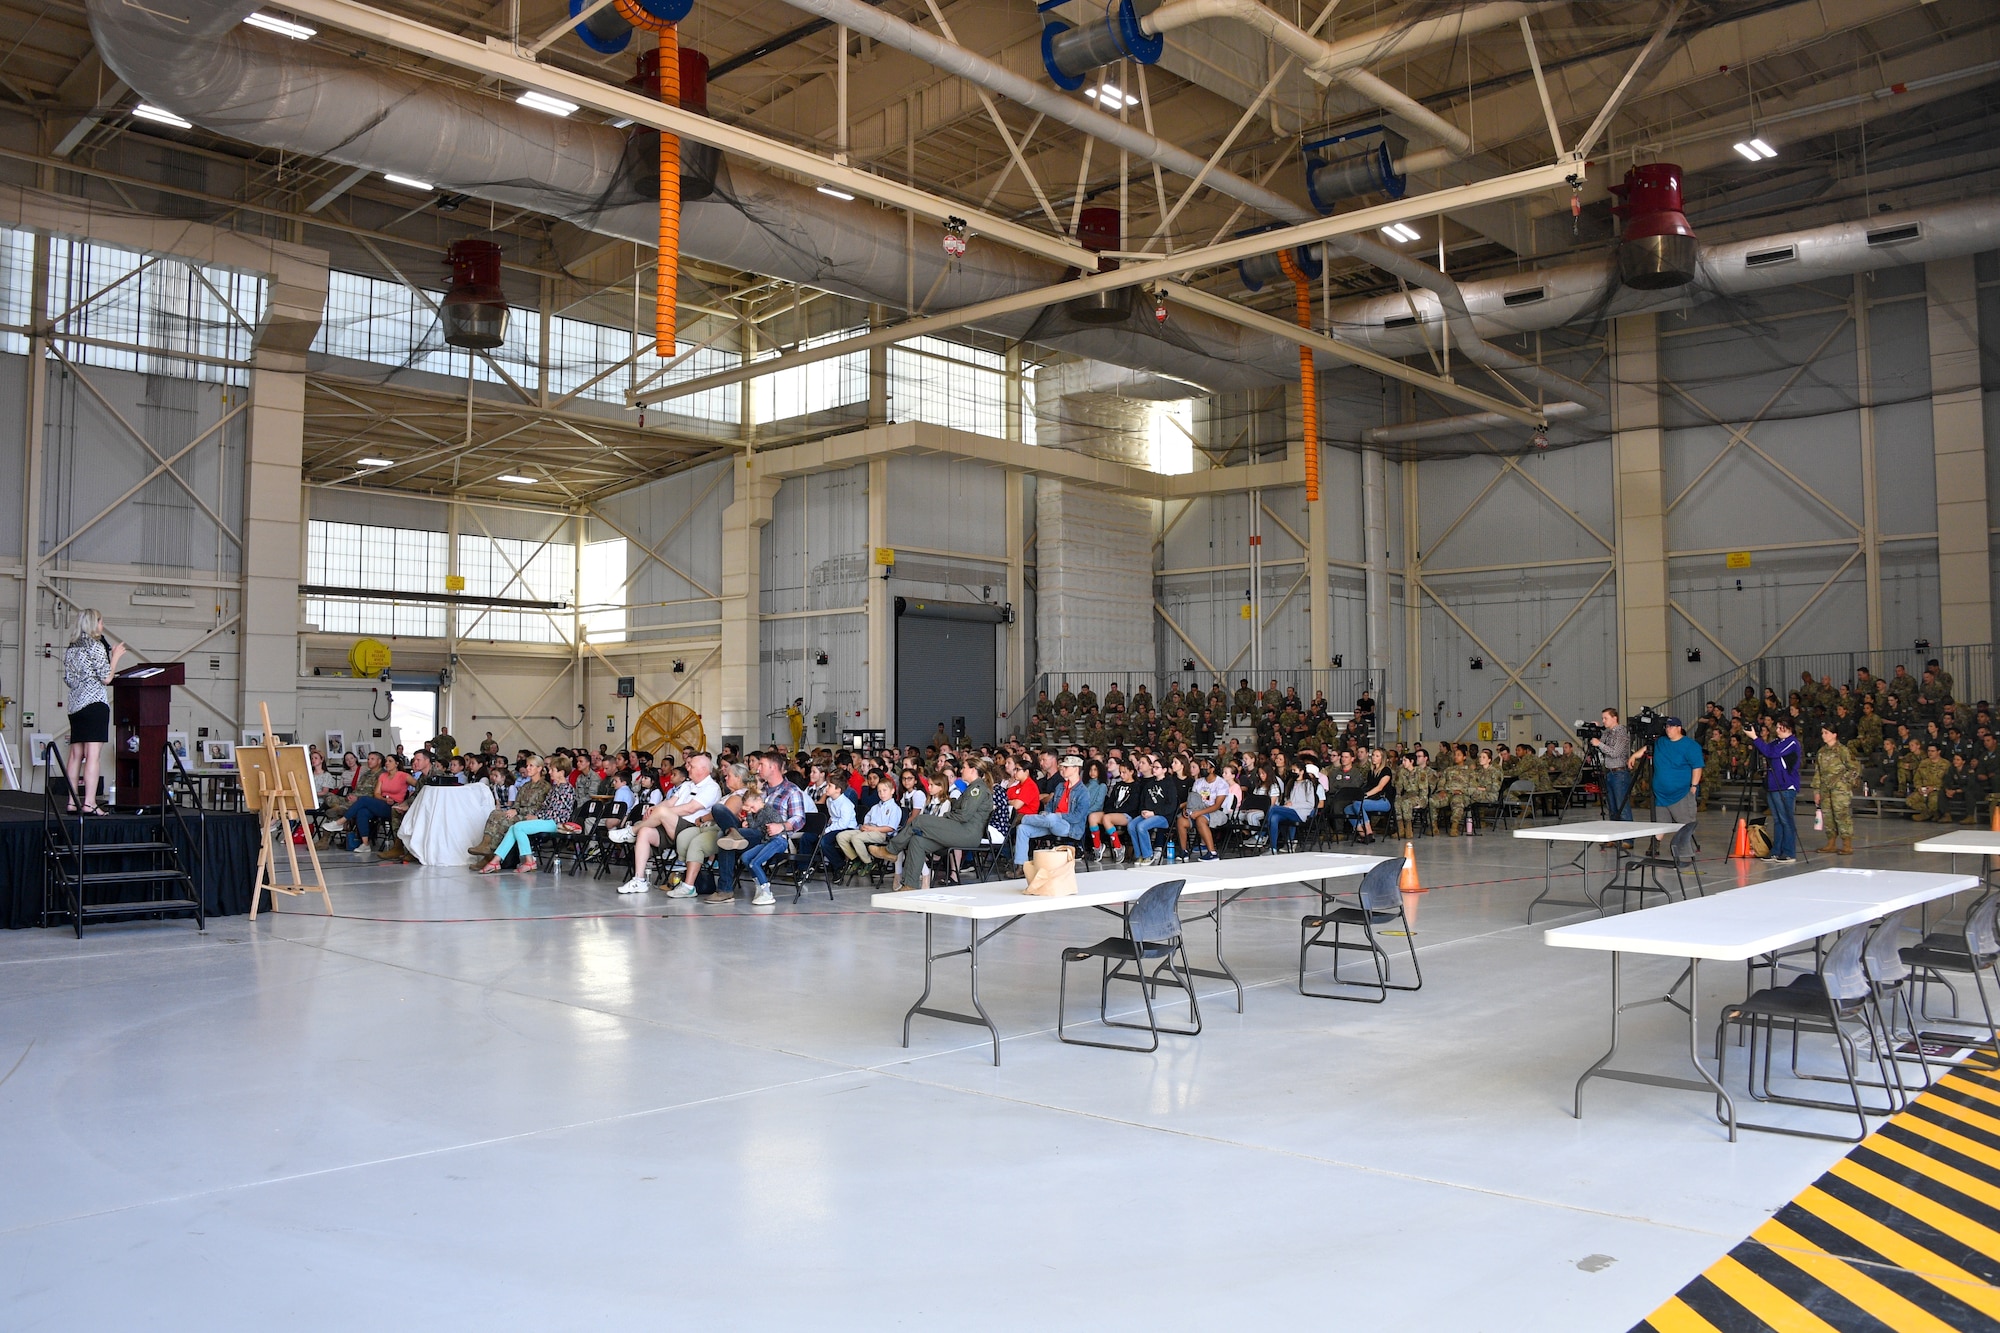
[1308,377]
[667,282]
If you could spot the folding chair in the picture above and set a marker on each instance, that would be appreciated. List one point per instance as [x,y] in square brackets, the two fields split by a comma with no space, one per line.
[1828,1000]
[1378,901]
[1973,949]
[1152,935]
[1679,858]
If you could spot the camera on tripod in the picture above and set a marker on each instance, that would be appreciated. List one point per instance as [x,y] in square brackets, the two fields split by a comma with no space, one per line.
[1589,731]
[1647,727]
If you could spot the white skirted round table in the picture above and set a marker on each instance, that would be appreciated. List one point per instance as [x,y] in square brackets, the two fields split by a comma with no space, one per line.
[445,820]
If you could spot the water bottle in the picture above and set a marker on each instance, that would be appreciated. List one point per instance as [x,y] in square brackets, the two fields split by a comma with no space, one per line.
[1172,850]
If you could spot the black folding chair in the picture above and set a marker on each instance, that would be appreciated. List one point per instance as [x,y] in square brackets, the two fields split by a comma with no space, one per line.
[1152,935]
[1679,857]
[1830,1000]
[1973,949]
[1378,901]
[805,857]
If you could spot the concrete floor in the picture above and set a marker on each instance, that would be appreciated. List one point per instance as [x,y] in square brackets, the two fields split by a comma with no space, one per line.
[499,1104]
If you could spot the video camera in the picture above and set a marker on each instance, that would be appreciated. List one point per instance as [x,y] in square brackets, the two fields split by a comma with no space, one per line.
[1646,727]
[1589,731]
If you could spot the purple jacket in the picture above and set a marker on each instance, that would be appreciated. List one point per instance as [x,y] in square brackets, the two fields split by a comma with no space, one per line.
[1783,773]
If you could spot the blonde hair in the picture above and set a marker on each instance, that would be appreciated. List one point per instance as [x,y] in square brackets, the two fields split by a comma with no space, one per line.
[89,625]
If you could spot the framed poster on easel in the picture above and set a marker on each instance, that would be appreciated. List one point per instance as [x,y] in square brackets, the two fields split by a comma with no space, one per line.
[276,780]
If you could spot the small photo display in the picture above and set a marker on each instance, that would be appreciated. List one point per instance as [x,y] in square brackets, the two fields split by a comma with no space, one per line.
[252,736]
[336,745]
[177,743]
[217,752]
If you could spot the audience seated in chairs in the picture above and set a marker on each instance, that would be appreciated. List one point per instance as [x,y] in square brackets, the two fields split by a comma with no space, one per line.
[960,825]
[1065,813]
[684,806]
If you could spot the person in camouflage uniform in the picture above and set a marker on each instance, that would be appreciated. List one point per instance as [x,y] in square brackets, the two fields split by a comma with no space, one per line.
[1714,762]
[1451,786]
[1836,773]
[1413,789]
[1906,766]
[1926,800]
[1065,701]
[1142,698]
[1086,700]
[1273,698]
[1218,698]
[1867,742]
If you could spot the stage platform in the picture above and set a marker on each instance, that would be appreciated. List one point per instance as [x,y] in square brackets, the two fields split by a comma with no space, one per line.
[219,851]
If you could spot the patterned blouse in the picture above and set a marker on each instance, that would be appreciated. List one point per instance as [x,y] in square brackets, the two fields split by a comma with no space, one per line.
[85,665]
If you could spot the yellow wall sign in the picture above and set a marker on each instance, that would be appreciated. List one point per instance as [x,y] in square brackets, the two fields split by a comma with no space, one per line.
[1246,612]
[454,583]
[1485,731]
[1737,560]
[885,555]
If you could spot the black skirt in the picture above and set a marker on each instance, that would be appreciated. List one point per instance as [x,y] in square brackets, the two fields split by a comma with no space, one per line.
[91,723]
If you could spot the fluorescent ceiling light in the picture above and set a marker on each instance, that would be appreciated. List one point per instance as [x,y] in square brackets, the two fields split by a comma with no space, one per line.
[1400,231]
[1111,95]
[408,182]
[147,111]
[298,32]
[831,192]
[373,462]
[518,481]
[1763,148]
[1756,150]
[555,106]
[621,123]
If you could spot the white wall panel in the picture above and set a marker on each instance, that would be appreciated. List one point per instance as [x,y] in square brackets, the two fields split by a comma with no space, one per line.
[1095,579]
[815,557]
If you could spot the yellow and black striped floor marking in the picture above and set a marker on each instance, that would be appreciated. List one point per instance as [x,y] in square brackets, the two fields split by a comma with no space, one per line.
[1903,1233]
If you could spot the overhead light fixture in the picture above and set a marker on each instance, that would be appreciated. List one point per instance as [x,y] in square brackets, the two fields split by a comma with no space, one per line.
[298,32]
[832,193]
[540,101]
[147,111]
[1756,150]
[407,182]
[518,481]
[1401,231]
[1111,95]
[372,462]
[623,122]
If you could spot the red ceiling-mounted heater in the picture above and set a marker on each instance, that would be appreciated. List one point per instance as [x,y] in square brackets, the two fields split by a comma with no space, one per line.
[1657,247]
[1098,230]
[474,310]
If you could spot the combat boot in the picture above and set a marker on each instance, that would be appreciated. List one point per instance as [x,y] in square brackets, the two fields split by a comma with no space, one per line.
[1846,847]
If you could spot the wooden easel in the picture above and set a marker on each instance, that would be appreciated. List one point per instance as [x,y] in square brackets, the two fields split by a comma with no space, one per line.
[279,801]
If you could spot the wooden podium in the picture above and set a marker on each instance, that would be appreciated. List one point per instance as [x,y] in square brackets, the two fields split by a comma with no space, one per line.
[141,702]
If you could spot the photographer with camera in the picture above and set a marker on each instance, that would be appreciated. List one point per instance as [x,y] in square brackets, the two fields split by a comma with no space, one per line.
[1613,743]
[1781,780]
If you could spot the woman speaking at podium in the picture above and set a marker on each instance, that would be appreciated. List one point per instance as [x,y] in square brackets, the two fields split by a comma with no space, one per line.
[88,664]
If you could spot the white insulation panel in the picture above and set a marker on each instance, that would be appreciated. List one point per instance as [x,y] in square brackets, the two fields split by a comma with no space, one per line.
[1095,611]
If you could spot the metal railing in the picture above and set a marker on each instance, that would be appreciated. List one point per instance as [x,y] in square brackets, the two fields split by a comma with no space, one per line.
[1341,685]
[1970,665]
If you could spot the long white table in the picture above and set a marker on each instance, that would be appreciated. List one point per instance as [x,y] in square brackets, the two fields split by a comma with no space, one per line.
[1222,882]
[1590,833]
[1738,926]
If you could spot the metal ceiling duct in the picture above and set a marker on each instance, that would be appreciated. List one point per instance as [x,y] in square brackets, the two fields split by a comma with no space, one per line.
[203,64]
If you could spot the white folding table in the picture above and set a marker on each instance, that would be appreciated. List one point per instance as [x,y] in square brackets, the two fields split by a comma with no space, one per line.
[1590,833]
[1738,926]
[1964,842]
[1221,881]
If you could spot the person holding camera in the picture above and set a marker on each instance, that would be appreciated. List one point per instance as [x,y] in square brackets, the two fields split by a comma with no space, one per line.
[1614,750]
[1781,781]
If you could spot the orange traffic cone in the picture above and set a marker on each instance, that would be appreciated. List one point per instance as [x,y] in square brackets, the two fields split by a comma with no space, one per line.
[1410,886]
[1996,816]
[1739,850]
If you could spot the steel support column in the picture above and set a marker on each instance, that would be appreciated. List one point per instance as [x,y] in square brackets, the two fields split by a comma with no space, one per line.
[275,443]
[743,525]
[1644,673]
[1413,608]
[1958,434]
[1375,559]
[34,438]
[881,613]
[1016,670]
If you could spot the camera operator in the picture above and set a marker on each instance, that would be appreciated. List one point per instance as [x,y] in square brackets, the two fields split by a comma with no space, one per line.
[1677,762]
[1614,750]
[1782,754]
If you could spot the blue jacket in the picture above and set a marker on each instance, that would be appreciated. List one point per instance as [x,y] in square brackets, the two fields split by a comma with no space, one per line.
[1084,801]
